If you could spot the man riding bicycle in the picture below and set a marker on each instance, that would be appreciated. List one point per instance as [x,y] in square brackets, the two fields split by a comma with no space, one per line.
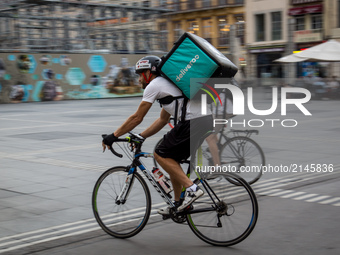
[191,126]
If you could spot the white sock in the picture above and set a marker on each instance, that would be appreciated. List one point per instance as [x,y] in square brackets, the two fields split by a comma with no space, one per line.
[192,187]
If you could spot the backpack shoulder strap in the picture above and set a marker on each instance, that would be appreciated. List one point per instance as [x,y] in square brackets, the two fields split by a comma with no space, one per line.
[184,108]
[170,99]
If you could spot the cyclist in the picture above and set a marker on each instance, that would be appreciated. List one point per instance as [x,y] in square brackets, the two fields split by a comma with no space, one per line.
[175,147]
[220,112]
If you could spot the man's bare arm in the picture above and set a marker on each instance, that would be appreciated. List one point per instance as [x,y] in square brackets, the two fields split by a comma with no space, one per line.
[157,125]
[134,120]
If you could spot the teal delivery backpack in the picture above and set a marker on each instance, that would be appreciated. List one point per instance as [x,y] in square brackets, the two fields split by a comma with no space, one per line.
[194,57]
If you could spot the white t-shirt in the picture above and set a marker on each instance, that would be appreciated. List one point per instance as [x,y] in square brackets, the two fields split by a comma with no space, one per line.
[160,87]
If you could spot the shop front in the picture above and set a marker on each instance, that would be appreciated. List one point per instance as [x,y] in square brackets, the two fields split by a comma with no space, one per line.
[265,67]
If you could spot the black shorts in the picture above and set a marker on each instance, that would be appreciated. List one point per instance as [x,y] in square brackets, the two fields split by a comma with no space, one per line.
[179,142]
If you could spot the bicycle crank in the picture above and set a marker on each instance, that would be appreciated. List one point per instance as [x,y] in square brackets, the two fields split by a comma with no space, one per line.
[179,217]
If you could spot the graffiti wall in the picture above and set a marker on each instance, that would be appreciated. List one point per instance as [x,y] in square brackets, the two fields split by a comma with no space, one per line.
[47,77]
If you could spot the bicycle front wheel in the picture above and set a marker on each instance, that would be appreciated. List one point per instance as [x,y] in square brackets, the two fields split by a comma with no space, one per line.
[226,214]
[121,218]
[243,156]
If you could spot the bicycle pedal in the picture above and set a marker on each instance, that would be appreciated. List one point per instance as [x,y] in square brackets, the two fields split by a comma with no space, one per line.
[188,208]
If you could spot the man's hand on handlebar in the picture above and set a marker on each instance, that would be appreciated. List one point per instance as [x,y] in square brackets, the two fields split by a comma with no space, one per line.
[108,140]
[134,140]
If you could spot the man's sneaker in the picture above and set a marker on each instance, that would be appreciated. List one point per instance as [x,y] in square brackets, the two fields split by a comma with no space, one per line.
[190,197]
[166,210]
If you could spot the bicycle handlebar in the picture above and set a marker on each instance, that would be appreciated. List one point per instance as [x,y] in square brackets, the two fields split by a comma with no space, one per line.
[134,138]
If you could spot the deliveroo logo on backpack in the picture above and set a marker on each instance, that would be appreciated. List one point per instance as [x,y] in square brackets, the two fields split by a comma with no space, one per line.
[186,62]
[185,70]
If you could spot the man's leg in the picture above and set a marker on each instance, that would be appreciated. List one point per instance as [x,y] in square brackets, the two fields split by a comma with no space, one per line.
[212,143]
[177,176]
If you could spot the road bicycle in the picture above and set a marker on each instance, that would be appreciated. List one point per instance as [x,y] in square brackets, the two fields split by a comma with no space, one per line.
[237,152]
[225,215]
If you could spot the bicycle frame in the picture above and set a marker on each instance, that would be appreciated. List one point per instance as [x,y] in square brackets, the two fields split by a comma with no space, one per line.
[137,164]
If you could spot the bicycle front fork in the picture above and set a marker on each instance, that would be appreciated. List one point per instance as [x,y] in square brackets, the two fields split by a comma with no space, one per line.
[122,197]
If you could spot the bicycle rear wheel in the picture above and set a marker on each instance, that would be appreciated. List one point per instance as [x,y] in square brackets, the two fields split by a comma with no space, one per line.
[243,156]
[121,219]
[226,214]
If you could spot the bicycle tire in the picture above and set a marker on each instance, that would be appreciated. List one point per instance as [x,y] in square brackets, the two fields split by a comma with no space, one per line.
[242,155]
[117,219]
[237,213]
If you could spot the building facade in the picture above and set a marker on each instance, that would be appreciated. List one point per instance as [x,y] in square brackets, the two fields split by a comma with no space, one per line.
[279,28]
[307,19]
[131,26]
[266,37]
[70,26]
[332,29]
[332,19]
[315,22]
[252,33]
[217,21]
